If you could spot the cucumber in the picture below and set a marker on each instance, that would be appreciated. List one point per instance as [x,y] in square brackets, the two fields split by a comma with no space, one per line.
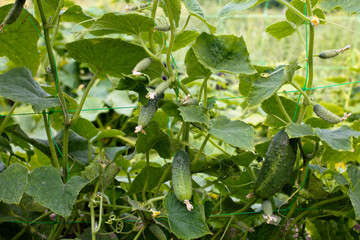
[142,65]
[325,114]
[181,178]
[163,28]
[277,167]
[157,231]
[161,88]
[14,13]
[147,112]
[329,53]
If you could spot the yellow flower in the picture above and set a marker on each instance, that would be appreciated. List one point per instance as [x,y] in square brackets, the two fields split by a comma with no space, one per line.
[213,195]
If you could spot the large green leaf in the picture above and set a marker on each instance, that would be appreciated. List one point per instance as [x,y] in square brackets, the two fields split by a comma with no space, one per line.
[156,139]
[76,15]
[299,130]
[236,133]
[184,39]
[19,86]
[131,24]
[281,29]
[193,114]
[339,139]
[47,188]
[183,223]
[156,173]
[13,182]
[85,128]
[238,5]
[110,56]
[300,5]
[174,9]
[223,53]
[350,6]
[18,41]
[354,191]
[193,67]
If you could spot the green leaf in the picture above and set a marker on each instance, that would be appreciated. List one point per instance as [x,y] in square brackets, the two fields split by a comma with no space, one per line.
[47,188]
[223,53]
[299,130]
[183,223]
[85,128]
[263,88]
[281,29]
[293,17]
[131,24]
[339,139]
[236,133]
[156,173]
[92,171]
[184,39]
[289,70]
[49,7]
[175,9]
[238,5]
[13,181]
[193,114]
[18,41]
[193,67]
[154,139]
[76,15]
[19,86]
[354,191]
[108,133]
[271,107]
[194,9]
[349,6]
[109,56]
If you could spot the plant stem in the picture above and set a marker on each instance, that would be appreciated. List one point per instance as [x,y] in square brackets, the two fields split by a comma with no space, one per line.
[183,88]
[292,8]
[300,36]
[155,199]
[65,152]
[282,108]
[166,172]
[147,176]
[83,98]
[19,234]
[205,90]
[140,231]
[54,158]
[151,32]
[172,38]
[52,62]
[185,25]
[57,12]
[8,116]
[92,210]
[301,91]
[152,55]
[198,154]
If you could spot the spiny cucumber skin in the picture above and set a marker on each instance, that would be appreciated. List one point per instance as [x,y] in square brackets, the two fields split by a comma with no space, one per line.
[329,53]
[277,167]
[14,12]
[325,114]
[163,28]
[143,64]
[162,87]
[267,206]
[157,231]
[148,111]
[181,176]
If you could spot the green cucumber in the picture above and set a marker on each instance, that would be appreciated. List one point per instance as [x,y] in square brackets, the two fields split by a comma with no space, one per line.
[142,65]
[325,114]
[277,167]
[147,112]
[329,53]
[14,13]
[157,231]
[161,88]
[163,28]
[181,178]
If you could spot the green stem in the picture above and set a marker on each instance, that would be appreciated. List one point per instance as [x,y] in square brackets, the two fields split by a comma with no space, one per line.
[166,172]
[151,32]
[8,116]
[92,210]
[282,108]
[89,151]
[83,98]
[185,25]
[245,208]
[19,234]
[183,88]
[292,8]
[155,200]
[198,154]
[65,152]
[57,12]
[54,159]
[172,38]
[318,204]
[205,90]
[140,231]
[57,233]
[300,36]
[52,62]
[100,213]
[147,177]
[301,91]
[152,55]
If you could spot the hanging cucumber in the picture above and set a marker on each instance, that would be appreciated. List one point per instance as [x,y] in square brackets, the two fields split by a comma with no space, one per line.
[147,112]
[277,167]
[14,13]
[161,88]
[327,115]
[333,52]
[181,178]
[142,65]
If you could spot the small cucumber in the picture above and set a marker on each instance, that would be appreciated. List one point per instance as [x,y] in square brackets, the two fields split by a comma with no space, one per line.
[147,112]
[277,167]
[14,13]
[142,65]
[329,53]
[181,178]
[157,231]
[325,114]
[161,88]
[163,28]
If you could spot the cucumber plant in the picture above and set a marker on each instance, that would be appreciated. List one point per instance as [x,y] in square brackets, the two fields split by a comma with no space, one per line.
[202,158]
